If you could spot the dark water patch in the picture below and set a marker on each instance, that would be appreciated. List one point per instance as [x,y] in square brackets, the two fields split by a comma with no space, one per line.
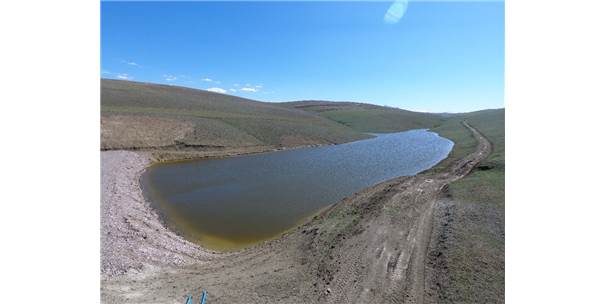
[233,202]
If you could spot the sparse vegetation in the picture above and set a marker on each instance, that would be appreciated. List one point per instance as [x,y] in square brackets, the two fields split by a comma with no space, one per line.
[140,115]
[474,251]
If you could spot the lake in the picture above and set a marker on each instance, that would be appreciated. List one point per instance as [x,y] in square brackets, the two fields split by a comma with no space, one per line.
[230,203]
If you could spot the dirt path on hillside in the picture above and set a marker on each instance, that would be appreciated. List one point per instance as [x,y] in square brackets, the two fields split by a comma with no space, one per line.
[369,248]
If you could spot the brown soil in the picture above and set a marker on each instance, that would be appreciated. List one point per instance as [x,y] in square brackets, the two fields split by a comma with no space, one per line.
[369,248]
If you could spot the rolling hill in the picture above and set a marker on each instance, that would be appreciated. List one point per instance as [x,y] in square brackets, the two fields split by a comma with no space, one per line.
[367,117]
[138,115]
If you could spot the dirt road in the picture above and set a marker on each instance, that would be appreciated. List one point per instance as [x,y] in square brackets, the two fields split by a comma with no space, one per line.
[369,248]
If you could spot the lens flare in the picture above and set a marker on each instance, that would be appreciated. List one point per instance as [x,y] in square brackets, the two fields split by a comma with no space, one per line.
[395,12]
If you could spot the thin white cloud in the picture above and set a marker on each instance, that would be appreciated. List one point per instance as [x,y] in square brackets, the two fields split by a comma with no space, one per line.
[123,76]
[233,90]
[217,90]
[259,86]
[131,63]
[170,77]
[211,80]
[249,89]
[236,84]
[395,12]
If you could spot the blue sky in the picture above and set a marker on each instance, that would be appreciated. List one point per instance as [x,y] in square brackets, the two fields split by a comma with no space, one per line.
[427,56]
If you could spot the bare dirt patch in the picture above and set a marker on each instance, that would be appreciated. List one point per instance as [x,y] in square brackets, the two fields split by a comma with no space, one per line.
[128,131]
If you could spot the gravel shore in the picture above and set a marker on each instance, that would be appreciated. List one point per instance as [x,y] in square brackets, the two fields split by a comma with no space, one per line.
[132,235]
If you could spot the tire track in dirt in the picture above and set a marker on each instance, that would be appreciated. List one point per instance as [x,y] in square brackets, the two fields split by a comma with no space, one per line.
[417,282]
[399,227]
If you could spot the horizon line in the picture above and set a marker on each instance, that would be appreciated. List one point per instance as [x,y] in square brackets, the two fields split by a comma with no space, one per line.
[298,100]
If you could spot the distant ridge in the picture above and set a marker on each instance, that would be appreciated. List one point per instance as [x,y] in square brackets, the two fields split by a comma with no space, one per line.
[365,117]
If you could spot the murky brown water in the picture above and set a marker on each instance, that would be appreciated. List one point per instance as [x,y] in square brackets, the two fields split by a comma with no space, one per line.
[234,202]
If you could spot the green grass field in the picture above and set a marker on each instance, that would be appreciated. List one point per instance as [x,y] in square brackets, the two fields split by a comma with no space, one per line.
[476,242]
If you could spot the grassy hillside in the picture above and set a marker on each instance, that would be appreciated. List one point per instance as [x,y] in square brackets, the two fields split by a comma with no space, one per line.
[368,118]
[474,241]
[140,115]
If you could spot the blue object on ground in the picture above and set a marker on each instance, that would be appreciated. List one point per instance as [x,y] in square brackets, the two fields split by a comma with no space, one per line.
[203,298]
[189,300]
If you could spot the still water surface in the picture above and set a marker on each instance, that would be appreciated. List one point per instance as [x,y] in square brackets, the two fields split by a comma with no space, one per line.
[233,202]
